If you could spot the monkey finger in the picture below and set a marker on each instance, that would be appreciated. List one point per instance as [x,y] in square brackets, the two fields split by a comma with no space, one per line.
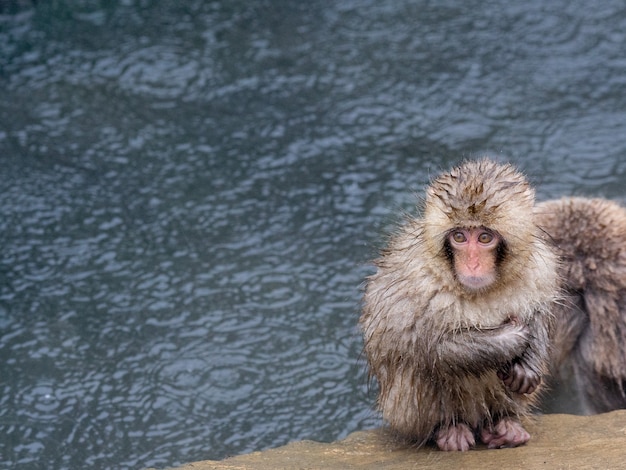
[524,387]
[515,381]
[531,384]
[511,381]
[527,384]
[530,390]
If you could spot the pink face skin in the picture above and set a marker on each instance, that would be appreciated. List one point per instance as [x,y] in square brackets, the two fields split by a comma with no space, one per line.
[474,252]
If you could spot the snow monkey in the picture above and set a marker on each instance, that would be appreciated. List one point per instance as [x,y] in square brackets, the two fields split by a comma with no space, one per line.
[590,333]
[457,317]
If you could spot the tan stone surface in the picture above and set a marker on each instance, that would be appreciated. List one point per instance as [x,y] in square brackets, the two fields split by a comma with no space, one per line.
[557,442]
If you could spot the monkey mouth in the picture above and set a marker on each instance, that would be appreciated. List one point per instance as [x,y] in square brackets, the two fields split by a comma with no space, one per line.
[476,283]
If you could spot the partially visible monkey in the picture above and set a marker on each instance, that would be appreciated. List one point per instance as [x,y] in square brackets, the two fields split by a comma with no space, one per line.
[456,320]
[590,331]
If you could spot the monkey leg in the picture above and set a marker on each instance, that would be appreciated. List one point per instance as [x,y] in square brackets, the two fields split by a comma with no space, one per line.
[458,437]
[508,432]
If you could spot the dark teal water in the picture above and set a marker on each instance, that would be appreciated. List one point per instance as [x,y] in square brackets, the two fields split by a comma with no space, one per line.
[190,193]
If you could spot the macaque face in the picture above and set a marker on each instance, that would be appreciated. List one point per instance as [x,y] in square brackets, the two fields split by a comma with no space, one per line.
[474,253]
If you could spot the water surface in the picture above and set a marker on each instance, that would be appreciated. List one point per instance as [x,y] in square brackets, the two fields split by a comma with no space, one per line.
[190,195]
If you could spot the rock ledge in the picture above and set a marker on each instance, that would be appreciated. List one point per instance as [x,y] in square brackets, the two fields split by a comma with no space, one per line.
[558,441]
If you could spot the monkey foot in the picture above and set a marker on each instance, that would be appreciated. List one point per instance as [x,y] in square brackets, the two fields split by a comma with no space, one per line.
[506,433]
[459,437]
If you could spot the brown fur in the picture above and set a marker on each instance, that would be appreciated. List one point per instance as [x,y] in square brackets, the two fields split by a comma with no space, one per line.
[436,348]
[590,235]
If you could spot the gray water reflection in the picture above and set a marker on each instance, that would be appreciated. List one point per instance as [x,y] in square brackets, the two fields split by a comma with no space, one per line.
[190,194]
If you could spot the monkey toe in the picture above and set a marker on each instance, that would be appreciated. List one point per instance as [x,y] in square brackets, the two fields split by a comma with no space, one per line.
[506,433]
[455,438]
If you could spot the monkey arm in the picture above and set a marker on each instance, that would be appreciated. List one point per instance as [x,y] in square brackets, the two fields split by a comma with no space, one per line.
[474,351]
[524,374]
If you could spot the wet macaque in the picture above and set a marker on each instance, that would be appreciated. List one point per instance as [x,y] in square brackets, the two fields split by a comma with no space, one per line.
[590,322]
[456,319]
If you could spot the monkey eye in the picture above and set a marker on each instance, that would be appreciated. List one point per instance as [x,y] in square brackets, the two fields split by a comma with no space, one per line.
[485,237]
[459,237]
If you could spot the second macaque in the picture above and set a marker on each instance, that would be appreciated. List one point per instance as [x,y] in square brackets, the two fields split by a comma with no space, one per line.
[456,320]
[590,320]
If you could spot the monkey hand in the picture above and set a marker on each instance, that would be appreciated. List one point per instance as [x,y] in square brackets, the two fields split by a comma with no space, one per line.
[520,378]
